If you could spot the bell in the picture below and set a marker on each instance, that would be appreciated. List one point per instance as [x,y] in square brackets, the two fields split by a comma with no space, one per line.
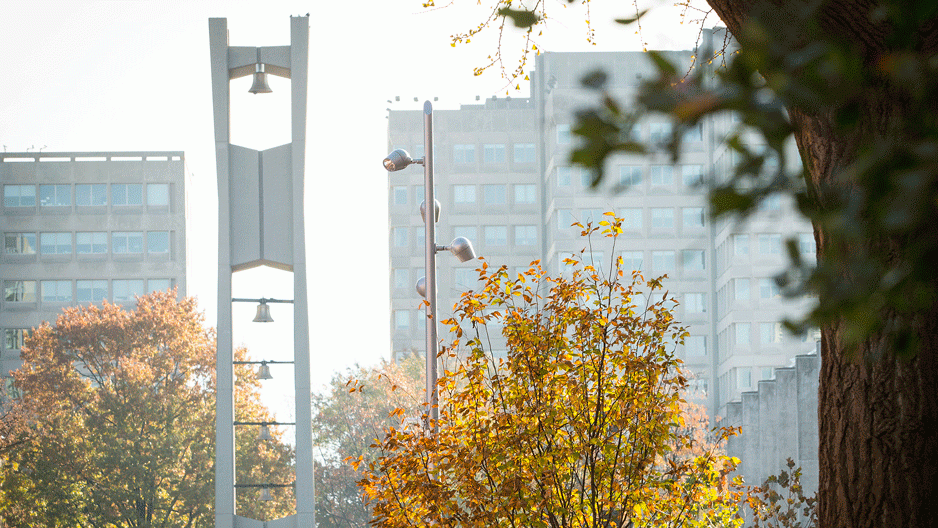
[260,80]
[265,494]
[264,435]
[263,313]
[263,372]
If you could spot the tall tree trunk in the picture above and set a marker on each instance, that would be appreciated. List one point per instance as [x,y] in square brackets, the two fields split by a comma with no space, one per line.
[878,414]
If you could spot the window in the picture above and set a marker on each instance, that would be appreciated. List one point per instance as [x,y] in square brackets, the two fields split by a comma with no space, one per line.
[399,236]
[56,291]
[399,194]
[632,260]
[464,194]
[525,235]
[692,175]
[19,291]
[496,235]
[592,215]
[741,289]
[662,218]
[741,331]
[94,243]
[695,345]
[420,236]
[418,194]
[19,195]
[565,218]
[524,152]
[495,194]
[694,133]
[770,244]
[127,242]
[401,277]
[55,243]
[158,194]
[401,319]
[768,289]
[631,219]
[740,245]
[693,259]
[564,176]
[662,175]
[630,175]
[743,377]
[563,134]
[91,290]
[662,261]
[19,243]
[418,151]
[806,244]
[767,373]
[90,195]
[659,132]
[468,232]
[772,202]
[126,289]
[464,153]
[13,338]
[465,277]
[55,195]
[525,193]
[693,217]
[158,242]
[127,194]
[695,303]
[770,333]
[158,284]
[493,153]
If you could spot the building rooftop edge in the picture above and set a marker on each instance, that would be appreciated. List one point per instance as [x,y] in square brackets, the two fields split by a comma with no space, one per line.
[107,154]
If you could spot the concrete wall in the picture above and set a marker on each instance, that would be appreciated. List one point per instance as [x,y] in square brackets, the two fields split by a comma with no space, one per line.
[779,421]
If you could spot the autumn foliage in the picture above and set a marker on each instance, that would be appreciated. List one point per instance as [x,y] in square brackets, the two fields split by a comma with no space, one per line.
[121,420]
[579,424]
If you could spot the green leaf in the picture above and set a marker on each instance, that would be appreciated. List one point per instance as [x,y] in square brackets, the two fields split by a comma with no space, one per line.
[520,17]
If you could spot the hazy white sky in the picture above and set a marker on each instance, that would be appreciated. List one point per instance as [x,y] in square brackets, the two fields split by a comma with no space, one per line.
[134,75]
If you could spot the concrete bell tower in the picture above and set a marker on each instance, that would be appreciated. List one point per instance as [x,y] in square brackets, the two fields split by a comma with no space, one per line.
[260,223]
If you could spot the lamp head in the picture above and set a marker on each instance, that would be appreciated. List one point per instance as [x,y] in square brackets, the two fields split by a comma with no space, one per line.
[436,211]
[421,287]
[462,249]
[397,160]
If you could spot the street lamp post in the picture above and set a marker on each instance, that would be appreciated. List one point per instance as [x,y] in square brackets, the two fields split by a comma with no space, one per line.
[461,248]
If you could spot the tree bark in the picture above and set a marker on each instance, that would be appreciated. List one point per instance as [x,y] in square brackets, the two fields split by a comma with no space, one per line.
[878,414]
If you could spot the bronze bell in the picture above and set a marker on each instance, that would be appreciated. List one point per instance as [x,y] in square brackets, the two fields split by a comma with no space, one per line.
[265,494]
[260,80]
[263,313]
[263,372]
[264,434]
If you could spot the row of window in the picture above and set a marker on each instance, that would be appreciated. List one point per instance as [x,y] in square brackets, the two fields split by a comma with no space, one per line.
[663,261]
[658,132]
[491,194]
[87,243]
[493,235]
[81,290]
[492,153]
[633,175]
[85,195]
[633,219]
[771,244]
[743,379]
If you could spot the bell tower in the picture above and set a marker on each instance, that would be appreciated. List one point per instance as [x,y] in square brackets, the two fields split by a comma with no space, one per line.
[260,223]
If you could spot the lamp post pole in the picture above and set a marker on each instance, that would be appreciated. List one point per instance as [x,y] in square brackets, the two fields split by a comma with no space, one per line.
[429,220]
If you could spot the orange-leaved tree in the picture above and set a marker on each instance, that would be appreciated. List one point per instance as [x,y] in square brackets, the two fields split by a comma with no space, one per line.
[121,411]
[576,424]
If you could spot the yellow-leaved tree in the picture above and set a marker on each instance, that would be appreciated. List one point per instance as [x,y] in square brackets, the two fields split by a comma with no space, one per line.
[579,423]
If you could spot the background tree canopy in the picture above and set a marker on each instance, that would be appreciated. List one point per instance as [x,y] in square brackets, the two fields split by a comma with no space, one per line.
[120,413]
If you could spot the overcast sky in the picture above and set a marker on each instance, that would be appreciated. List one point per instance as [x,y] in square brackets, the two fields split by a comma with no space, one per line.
[134,75]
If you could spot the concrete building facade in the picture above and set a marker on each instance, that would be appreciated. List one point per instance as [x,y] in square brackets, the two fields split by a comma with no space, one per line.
[83,227]
[504,180]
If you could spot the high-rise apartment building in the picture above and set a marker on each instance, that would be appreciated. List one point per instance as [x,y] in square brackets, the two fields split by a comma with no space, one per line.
[504,181]
[81,228]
